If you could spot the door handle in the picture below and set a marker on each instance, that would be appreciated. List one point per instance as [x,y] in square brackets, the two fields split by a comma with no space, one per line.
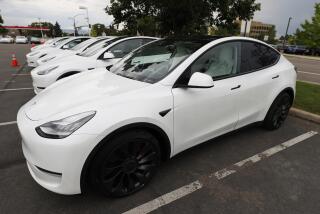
[275,77]
[236,87]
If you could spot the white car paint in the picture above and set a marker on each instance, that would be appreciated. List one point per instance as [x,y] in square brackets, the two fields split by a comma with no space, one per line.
[33,56]
[48,43]
[52,57]
[6,39]
[74,63]
[196,115]
[21,40]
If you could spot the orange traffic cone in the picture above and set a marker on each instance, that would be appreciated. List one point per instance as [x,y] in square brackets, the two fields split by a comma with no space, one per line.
[14,61]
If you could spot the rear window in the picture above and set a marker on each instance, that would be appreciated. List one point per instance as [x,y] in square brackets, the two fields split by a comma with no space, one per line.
[256,56]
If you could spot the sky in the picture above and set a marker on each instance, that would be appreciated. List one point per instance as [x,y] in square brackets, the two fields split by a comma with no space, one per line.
[23,12]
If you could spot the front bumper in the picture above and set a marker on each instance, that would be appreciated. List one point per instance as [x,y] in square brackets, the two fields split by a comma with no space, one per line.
[40,82]
[55,164]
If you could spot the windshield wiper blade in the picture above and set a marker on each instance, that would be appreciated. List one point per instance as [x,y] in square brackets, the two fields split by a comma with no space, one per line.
[125,76]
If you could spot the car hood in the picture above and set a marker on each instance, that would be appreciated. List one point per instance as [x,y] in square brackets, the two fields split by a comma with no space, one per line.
[65,62]
[79,90]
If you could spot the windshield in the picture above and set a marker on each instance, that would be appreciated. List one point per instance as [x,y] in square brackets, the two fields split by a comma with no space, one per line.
[97,47]
[83,44]
[58,42]
[153,62]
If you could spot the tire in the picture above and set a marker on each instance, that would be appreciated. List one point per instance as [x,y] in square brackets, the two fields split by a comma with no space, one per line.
[278,112]
[125,164]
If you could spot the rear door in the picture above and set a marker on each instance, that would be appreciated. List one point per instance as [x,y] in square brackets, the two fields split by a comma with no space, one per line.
[259,76]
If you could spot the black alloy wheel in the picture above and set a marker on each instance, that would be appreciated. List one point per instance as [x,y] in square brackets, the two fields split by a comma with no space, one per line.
[278,112]
[127,164]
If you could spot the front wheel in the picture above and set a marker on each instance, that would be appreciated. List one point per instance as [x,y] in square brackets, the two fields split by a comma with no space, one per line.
[126,163]
[278,112]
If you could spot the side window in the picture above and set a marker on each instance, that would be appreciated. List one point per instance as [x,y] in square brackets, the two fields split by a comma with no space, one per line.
[123,48]
[145,41]
[219,62]
[255,56]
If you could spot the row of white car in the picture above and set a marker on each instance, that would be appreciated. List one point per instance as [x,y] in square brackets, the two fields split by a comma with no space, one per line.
[111,126]
[17,40]
[66,56]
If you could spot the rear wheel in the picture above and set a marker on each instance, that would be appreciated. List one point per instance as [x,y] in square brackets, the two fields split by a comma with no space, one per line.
[278,112]
[125,164]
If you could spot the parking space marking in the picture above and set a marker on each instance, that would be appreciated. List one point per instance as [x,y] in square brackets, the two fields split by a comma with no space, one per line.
[20,74]
[305,72]
[15,89]
[219,175]
[8,123]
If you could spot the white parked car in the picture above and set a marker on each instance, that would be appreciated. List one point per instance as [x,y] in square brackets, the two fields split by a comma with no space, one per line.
[72,51]
[101,55]
[50,42]
[113,128]
[21,40]
[6,39]
[33,56]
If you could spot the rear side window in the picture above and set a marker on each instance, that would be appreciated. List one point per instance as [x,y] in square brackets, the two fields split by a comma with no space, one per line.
[256,56]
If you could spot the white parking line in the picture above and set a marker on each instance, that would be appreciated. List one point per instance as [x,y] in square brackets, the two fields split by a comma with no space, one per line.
[8,123]
[20,74]
[221,174]
[304,72]
[15,89]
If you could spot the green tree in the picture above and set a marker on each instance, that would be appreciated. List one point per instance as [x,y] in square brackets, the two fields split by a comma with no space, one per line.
[272,35]
[37,33]
[310,30]
[57,32]
[97,29]
[181,17]
[2,30]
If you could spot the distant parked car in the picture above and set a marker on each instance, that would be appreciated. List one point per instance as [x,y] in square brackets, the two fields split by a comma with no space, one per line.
[35,40]
[296,49]
[6,39]
[21,40]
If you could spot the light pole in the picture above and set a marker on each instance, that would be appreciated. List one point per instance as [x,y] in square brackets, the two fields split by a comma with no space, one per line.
[285,37]
[40,27]
[85,8]
[74,23]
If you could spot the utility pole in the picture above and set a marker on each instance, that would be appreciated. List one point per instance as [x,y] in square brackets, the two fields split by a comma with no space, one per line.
[40,28]
[285,37]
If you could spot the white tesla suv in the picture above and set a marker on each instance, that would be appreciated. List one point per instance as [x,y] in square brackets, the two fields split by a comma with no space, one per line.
[79,48]
[101,55]
[33,56]
[48,43]
[112,128]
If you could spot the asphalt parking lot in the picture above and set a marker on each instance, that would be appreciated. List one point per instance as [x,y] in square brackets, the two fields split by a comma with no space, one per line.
[280,176]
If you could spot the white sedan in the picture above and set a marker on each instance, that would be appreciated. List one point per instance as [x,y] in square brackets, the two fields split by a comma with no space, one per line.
[112,128]
[72,51]
[6,39]
[60,46]
[101,55]
[21,40]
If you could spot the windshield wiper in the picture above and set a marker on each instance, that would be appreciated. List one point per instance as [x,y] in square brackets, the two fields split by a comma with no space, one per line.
[125,76]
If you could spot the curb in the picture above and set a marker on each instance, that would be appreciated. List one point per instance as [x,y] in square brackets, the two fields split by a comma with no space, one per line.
[303,57]
[305,115]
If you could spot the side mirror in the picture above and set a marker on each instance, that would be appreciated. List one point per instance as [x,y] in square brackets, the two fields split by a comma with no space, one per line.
[108,55]
[200,80]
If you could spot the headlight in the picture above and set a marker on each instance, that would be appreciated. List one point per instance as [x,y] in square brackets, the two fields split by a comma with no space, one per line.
[48,59]
[63,128]
[46,71]
[42,55]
